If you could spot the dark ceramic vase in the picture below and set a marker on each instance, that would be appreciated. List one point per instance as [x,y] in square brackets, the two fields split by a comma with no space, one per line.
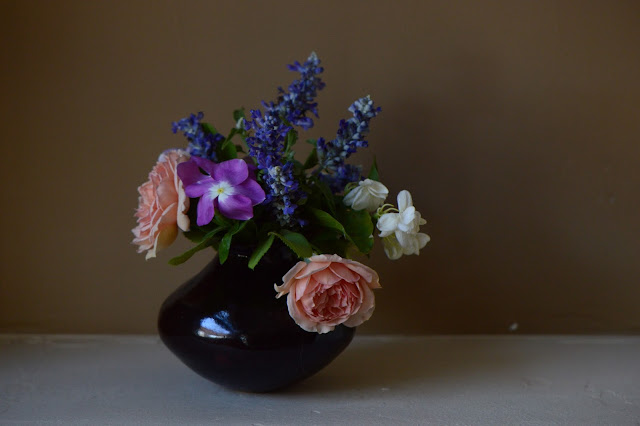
[227,325]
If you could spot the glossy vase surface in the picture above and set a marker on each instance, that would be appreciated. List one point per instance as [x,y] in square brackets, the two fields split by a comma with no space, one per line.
[227,325]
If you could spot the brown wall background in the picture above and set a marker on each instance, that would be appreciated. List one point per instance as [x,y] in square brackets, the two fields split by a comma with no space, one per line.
[514,124]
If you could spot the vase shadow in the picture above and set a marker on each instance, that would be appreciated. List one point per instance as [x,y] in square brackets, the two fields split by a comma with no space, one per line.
[386,363]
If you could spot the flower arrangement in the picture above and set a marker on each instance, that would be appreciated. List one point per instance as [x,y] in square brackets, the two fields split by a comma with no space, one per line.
[247,188]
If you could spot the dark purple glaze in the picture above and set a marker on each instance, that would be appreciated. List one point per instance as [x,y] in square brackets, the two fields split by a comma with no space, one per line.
[227,325]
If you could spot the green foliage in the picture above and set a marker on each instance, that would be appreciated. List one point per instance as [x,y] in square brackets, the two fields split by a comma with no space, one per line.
[326,198]
[261,250]
[296,242]
[225,243]
[204,243]
[208,128]
[360,229]
[373,172]
[355,226]
[238,114]
[227,151]
[312,159]
[323,218]
[290,140]
[333,228]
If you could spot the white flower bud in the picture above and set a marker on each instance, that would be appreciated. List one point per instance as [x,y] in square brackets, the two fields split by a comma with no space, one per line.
[368,195]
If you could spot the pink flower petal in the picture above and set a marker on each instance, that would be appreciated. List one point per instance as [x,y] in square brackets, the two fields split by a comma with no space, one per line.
[287,280]
[326,276]
[365,272]
[366,308]
[298,315]
[328,291]
[311,268]
[343,272]
[301,287]
[325,258]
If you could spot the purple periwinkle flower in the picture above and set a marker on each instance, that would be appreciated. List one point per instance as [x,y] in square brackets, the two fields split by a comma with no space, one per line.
[228,187]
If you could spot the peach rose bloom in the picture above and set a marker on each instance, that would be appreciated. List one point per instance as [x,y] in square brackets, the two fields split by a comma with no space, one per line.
[329,291]
[162,205]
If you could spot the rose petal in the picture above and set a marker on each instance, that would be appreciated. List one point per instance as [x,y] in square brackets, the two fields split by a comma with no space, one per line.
[344,273]
[297,313]
[302,285]
[312,267]
[326,276]
[364,271]
[365,310]
[287,280]
[325,258]
[166,194]
[163,239]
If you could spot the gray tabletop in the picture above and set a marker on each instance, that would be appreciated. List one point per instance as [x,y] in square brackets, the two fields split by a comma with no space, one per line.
[79,379]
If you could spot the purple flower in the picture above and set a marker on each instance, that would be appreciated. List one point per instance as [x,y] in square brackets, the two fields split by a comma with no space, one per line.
[350,135]
[229,187]
[201,143]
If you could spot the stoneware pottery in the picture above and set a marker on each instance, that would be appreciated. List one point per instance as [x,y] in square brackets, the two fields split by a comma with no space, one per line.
[226,324]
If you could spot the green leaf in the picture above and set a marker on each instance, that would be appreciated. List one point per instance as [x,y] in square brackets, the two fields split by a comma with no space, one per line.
[292,137]
[204,243]
[228,151]
[209,128]
[325,219]
[239,148]
[327,194]
[312,159]
[195,234]
[296,242]
[261,250]
[225,243]
[329,241]
[238,114]
[360,228]
[222,221]
[225,246]
[373,172]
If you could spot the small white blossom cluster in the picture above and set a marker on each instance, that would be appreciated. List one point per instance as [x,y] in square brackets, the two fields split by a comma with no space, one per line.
[399,227]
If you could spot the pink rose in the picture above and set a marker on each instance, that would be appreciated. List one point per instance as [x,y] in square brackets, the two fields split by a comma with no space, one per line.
[328,291]
[162,205]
